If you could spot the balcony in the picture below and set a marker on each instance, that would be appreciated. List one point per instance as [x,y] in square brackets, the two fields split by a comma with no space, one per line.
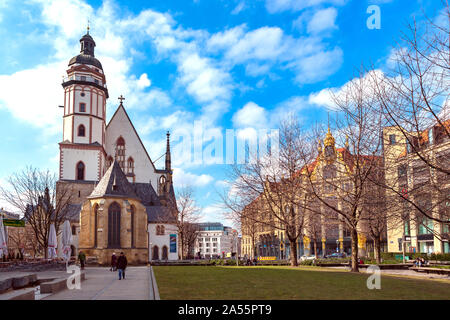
[84,79]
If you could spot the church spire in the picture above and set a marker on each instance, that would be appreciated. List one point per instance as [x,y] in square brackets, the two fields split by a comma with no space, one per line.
[87,44]
[168,160]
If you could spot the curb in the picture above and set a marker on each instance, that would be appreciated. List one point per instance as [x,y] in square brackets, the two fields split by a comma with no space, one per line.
[154,292]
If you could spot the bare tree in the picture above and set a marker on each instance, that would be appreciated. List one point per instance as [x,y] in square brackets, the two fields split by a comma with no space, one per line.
[34,194]
[414,98]
[187,215]
[342,181]
[271,184]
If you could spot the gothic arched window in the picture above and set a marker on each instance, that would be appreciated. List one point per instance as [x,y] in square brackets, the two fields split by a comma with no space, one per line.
[164,253]
[114,225]
[95,224]
[120,152]
[81,131]
[155,255]
[80,170]
[130,165]
[132,225]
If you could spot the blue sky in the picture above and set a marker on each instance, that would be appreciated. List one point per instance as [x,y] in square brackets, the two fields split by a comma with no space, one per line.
[226,64]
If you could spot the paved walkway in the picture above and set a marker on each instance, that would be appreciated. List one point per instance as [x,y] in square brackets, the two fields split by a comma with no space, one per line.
[102,284]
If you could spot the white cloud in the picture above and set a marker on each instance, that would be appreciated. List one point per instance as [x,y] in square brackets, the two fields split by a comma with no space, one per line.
[238,8]
[203,81]
[318,66]
[251,115]
[33,95]
[143,81]
[275,6]
[181,178]
[323,20]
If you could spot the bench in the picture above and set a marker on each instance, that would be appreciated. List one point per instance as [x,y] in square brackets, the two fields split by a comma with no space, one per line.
[431,270]
[57,284]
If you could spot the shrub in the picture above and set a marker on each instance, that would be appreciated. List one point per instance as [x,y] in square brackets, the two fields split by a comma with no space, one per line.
[306,263]
[440,256]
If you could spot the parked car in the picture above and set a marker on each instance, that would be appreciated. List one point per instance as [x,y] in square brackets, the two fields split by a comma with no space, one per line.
[337,255]
[304,258]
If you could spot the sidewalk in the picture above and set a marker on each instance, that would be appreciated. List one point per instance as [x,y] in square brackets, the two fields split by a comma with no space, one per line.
[102,284]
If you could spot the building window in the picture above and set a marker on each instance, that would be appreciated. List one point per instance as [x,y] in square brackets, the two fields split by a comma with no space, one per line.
[392,139]
[82,107]
[82,94]
[155,255]
[81,130]
[80,170]
[426,226]
[132,225]
[74,230]
[120,152]
[95,224]
[401,171]
[83,78]
[114,225]
[165,253]
[130,165]
[160,230]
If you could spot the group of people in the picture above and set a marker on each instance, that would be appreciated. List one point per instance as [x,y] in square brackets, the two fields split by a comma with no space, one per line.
[249,262]
[117,263]
[420,262]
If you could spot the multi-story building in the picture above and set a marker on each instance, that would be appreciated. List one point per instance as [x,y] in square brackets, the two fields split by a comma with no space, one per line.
[417,174]
[323,231]
[214,240]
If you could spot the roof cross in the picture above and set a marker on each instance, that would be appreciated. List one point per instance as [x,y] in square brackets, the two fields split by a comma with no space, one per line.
[121,98]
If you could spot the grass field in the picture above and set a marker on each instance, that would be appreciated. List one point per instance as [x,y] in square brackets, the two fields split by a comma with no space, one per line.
[252,283]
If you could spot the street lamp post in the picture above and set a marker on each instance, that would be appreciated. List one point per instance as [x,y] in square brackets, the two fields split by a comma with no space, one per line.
[337,245]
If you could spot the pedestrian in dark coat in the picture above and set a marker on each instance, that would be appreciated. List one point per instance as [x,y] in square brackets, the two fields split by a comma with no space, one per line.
[82,258]
[113,262]
[122,265]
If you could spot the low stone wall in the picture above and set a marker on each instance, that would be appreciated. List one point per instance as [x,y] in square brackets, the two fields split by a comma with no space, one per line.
[33,266]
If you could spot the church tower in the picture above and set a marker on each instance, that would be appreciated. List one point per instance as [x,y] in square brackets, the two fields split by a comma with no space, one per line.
[82,151]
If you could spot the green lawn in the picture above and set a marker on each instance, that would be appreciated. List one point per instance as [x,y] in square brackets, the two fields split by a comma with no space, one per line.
[249,283]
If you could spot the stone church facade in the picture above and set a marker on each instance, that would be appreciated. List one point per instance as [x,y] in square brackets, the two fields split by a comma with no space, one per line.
[120,200]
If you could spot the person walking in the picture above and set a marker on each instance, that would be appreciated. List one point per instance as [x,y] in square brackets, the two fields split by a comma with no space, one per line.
[82,258]
[122,265]
[113,262]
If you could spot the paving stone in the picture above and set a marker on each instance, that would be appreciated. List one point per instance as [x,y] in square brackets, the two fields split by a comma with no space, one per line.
[5,285]
[20,282]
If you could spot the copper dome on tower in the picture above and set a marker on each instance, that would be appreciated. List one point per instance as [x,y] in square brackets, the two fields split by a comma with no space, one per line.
[86,55]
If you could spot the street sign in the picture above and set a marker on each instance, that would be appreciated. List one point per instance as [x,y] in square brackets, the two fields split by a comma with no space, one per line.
[13,223]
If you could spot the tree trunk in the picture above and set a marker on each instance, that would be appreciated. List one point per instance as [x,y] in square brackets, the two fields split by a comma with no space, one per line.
[377,249]
[315,248]
[355,267]
[293,252]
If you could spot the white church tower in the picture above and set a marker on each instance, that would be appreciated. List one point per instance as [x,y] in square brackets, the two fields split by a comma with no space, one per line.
[82,151]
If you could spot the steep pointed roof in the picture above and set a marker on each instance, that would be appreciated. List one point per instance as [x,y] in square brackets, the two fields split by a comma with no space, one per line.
[114,183]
